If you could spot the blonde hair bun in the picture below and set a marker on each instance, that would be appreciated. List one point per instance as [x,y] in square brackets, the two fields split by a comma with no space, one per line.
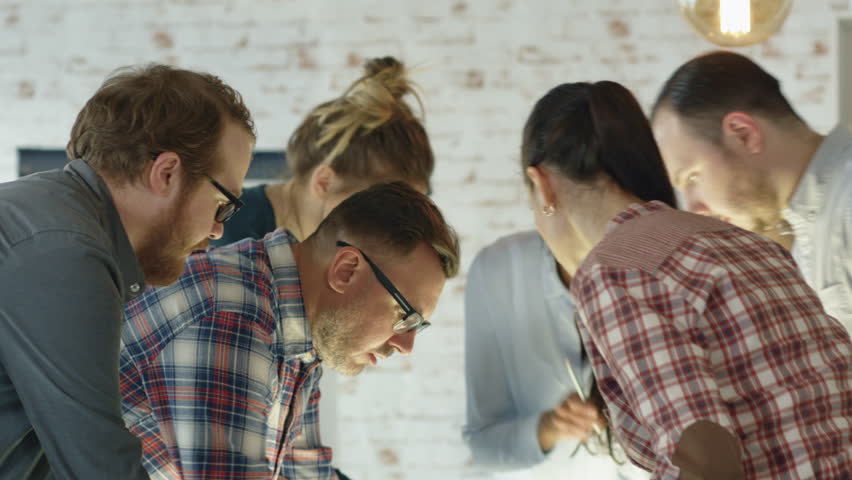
[369,133]
[370,102]
[390,73]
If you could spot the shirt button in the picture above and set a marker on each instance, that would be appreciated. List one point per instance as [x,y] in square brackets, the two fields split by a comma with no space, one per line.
[134,288]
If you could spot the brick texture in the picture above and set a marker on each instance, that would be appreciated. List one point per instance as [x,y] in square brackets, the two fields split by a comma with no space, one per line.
[482,64]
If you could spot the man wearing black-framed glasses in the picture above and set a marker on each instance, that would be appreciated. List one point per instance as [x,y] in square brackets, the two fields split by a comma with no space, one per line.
[240,339]
[347,340]
[227,209]
[77,243]
[411,319]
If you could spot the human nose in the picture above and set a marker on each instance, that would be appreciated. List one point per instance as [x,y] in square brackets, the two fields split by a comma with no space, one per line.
[217,231]
[403,342]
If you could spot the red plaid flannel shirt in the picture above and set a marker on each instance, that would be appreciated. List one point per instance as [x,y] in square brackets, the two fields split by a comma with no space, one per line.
[219,376]
[687,318]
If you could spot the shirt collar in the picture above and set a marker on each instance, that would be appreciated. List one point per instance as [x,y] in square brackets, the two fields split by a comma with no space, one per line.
[829,159]
[635,210]
[133,280]
[293,326]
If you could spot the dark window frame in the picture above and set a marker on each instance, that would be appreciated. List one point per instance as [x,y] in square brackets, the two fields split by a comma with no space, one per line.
[266,164]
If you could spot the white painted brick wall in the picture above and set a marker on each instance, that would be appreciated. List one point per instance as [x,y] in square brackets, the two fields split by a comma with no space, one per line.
[484,63]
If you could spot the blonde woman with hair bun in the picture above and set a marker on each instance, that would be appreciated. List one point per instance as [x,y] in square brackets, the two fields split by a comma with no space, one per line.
[369,134]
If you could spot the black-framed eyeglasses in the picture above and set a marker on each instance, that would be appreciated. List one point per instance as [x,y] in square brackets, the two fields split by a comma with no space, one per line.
[412,319]
[226,210]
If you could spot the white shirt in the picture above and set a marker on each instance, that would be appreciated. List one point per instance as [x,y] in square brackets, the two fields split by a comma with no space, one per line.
[820,214]
[519,332]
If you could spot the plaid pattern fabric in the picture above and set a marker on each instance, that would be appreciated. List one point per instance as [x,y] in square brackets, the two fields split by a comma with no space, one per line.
[219,377]
[687,318]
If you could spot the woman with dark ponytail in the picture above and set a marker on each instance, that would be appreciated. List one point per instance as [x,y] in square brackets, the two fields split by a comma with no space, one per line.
[706,343]
[548,425]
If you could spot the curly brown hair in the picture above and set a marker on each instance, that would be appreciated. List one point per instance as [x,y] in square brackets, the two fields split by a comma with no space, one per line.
[141,111]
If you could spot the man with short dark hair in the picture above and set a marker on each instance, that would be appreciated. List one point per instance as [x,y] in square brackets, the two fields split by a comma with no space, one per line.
[736,149]
[158,155]
[220,371]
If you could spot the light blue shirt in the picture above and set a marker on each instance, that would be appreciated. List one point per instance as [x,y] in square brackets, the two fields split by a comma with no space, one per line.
[519,332]
[820,214]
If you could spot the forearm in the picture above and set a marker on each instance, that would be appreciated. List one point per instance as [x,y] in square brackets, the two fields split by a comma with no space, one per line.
[679,391]
[507,445]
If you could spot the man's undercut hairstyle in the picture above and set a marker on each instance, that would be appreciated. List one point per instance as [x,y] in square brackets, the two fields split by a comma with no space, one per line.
[705,89]
[140,112]
[390,220]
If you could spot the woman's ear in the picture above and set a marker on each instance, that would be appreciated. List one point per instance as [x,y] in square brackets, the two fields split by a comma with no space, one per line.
[323,181]
[542,188]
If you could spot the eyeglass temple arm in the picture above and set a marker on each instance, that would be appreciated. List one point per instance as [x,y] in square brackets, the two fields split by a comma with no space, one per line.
[389,286]
[383,279]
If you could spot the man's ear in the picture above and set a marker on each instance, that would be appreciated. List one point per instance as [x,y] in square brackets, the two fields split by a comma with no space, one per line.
[542,190]
[742,131]
[164,176]
[345,269]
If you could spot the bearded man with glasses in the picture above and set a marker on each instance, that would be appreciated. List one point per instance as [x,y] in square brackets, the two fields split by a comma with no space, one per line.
[77,243]
[220,371]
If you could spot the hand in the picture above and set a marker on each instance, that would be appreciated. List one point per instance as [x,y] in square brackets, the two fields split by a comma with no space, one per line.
[572,419]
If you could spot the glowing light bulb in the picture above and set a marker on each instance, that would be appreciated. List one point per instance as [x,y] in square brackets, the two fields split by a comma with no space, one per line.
[733,23]
[735,16]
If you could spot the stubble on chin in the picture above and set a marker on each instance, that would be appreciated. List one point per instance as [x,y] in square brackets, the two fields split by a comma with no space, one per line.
[332,332]
[751,199]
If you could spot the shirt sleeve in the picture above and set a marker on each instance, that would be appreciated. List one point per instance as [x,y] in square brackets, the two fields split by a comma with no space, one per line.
[653,336]
[309,459]
[496,436]
[60,342]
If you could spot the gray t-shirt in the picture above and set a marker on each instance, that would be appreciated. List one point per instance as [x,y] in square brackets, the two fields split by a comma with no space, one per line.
[66,270]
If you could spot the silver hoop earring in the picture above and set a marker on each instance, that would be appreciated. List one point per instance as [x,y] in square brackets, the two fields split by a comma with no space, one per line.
[548,210]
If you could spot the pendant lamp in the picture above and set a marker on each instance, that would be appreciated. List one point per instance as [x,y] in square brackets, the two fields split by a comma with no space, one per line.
[735,23]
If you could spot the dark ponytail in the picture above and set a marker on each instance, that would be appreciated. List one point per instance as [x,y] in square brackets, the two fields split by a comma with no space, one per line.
[585,130]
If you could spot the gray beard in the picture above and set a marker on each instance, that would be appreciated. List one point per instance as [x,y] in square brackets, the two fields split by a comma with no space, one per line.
[331,337]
